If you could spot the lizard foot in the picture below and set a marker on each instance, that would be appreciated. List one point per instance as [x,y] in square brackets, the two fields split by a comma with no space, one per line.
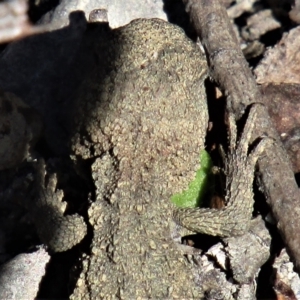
[234,219]
[56,230]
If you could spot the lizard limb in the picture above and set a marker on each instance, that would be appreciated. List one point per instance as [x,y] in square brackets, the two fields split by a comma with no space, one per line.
[56,230]
[234,219]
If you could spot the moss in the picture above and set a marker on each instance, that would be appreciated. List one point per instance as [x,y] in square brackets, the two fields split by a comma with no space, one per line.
[199,187]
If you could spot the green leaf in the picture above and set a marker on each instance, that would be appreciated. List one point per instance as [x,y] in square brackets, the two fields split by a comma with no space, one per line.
[204,180]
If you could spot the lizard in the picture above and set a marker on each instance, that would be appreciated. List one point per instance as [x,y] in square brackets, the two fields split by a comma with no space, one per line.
[142,119]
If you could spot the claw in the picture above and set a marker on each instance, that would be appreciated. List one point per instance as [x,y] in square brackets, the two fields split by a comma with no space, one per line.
[243,143]
[232,132]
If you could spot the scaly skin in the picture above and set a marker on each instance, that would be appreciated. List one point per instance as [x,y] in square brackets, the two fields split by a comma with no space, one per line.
[143,119]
